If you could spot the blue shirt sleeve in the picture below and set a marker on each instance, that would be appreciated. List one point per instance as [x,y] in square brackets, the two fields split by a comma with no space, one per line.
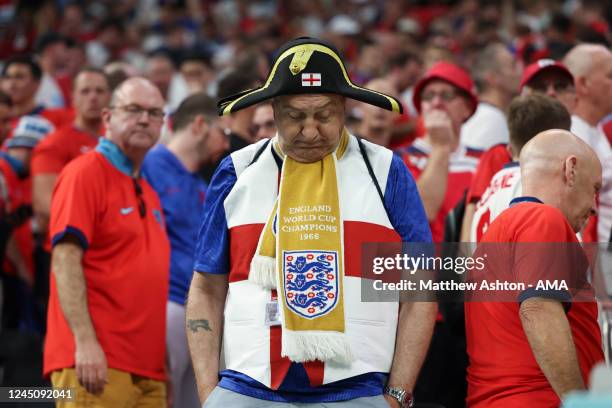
[212,247]
[150,167]
[404,206]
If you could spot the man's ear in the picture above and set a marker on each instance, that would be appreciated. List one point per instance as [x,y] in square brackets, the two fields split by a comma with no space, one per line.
[275,106]
[106,114]
[570,170]
[581,84]
[510,150]
[467,109]
[197,125]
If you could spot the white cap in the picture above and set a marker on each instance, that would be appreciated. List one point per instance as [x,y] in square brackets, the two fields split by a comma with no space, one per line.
[30,130]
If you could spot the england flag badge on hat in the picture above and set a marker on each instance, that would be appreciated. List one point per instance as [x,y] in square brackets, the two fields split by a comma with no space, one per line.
[310,79]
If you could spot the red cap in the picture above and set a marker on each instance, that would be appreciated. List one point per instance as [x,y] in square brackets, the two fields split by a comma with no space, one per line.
[451,73]
[541,66]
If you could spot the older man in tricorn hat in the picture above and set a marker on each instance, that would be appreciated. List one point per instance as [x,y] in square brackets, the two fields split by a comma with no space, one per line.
[286,215]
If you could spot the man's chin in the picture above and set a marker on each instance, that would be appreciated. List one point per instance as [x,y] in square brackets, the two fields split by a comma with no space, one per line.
[142,138]
[142,143]
[308,155]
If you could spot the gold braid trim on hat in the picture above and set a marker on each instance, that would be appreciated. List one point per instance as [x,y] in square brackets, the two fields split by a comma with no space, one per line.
[302,55]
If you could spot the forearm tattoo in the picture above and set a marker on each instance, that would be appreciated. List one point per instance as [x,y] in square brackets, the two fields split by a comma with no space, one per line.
[194,325]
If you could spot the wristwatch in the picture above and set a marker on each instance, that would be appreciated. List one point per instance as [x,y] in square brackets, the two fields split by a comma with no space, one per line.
[402,396]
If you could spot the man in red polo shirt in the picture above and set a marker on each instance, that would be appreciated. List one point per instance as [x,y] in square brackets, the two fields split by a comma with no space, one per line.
[533,351]
[91,94]
[110,263]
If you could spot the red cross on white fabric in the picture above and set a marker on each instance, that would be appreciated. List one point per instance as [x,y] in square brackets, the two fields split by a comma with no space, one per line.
[311,79]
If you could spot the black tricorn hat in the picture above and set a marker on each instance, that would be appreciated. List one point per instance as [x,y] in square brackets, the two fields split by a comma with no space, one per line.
[307,66]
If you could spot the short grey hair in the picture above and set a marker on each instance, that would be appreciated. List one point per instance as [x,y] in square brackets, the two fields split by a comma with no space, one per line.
[579,60]
[486,61]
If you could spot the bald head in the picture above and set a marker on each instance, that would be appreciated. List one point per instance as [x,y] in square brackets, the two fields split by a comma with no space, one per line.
[591,66]
[133,85]
[563,171]
[548,148]
[134,120]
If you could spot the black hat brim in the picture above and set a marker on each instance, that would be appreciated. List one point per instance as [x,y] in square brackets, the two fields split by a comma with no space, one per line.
[323,63]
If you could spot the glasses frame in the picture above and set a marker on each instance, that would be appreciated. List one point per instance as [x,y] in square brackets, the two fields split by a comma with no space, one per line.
[446,96]
[154,114]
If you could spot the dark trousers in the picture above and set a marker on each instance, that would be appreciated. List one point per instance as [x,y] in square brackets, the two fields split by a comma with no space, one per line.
[443,378]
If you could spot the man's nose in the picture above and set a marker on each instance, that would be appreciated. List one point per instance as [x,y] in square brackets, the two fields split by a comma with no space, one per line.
[550,91]
[144,118]
[310,129]
[437,102]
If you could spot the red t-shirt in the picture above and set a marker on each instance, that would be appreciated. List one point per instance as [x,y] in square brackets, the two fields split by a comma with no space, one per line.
[16,192]
[125,264]
[491,161]
[461,168]
[503,371]
[12,193]
[59,148]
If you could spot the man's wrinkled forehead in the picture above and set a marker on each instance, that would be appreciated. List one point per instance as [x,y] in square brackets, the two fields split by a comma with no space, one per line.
[309,101]
[138,94]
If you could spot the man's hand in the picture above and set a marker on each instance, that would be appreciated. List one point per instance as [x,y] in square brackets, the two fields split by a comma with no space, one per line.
[414,330]
[13,254]
[439,128]
[204,325]
[393,403]
[91,366]
[206,390]
[90,360]
[433,180]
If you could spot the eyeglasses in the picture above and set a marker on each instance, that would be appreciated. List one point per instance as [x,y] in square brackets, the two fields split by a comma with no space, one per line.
[270,125]
[137,111]
[142,206]
[557,86]
[446,96]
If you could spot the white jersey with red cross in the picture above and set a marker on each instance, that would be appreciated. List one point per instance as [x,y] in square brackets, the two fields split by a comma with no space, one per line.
[505,185]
